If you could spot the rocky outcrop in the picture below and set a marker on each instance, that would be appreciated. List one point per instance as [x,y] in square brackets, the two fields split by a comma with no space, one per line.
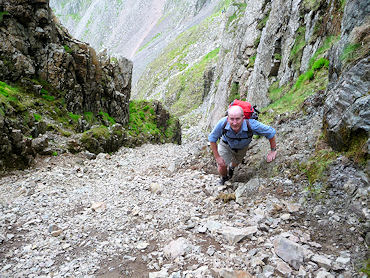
[109,139]
[346,113]
[37,53]
[35,46]
[346,117]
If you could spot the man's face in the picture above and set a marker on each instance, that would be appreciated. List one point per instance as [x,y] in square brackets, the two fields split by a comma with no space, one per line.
[235,119]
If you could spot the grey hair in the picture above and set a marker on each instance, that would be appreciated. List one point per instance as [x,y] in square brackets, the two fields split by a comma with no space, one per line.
[236,107]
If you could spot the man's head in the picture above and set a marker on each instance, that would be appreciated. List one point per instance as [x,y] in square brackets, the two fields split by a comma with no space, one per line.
[235,116]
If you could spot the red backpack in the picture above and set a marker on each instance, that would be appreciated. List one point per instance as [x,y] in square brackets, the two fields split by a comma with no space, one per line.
[250,112]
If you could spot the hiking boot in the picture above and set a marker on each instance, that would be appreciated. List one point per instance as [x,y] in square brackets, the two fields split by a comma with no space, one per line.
[230,172]
[223,180]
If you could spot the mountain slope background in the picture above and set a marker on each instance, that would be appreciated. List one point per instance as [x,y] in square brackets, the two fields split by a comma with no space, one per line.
[200,55]
[156,211]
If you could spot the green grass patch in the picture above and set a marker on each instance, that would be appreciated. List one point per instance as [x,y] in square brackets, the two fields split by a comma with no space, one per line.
[55,153]
[107,118]
[113,60]
[327,44]
[156,36]
[10,98]
[67,49]
[277,56]
[257,41]
[309,75]
[74,117]
[263,22]
[89,117]
[2,15]
[234,92]
[142,119]
[144,123]
[290,99]
[275,91]
[37,117]
[45,95]
[350,52]
[188,86]
[96,132]
[297,49]
[315,169]
[252,60]
[318,64]
[357,150]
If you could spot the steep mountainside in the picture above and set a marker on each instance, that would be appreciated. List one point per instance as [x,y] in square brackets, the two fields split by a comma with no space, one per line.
[138,30]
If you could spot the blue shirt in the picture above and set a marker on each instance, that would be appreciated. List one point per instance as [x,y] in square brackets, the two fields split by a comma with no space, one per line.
[241,139]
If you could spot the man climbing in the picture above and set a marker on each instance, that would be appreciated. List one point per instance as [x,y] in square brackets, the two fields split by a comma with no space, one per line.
[235,134]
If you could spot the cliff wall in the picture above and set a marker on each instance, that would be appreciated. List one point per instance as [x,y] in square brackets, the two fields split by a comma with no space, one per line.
[273,41]
[39,56]
[35,46]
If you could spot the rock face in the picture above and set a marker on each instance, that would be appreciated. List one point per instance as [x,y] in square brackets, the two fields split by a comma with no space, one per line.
[347,108]
[346,115]
[35,46]
[35,49]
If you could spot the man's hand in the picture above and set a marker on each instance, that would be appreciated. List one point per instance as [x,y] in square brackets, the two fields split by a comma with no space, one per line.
[220,162]
[271,156]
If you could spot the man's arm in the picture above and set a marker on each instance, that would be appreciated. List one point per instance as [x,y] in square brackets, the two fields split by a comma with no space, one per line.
[272,154]
[267,131]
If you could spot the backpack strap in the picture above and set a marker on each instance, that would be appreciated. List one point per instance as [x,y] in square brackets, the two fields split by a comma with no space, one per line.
[223,128]
[250,131]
